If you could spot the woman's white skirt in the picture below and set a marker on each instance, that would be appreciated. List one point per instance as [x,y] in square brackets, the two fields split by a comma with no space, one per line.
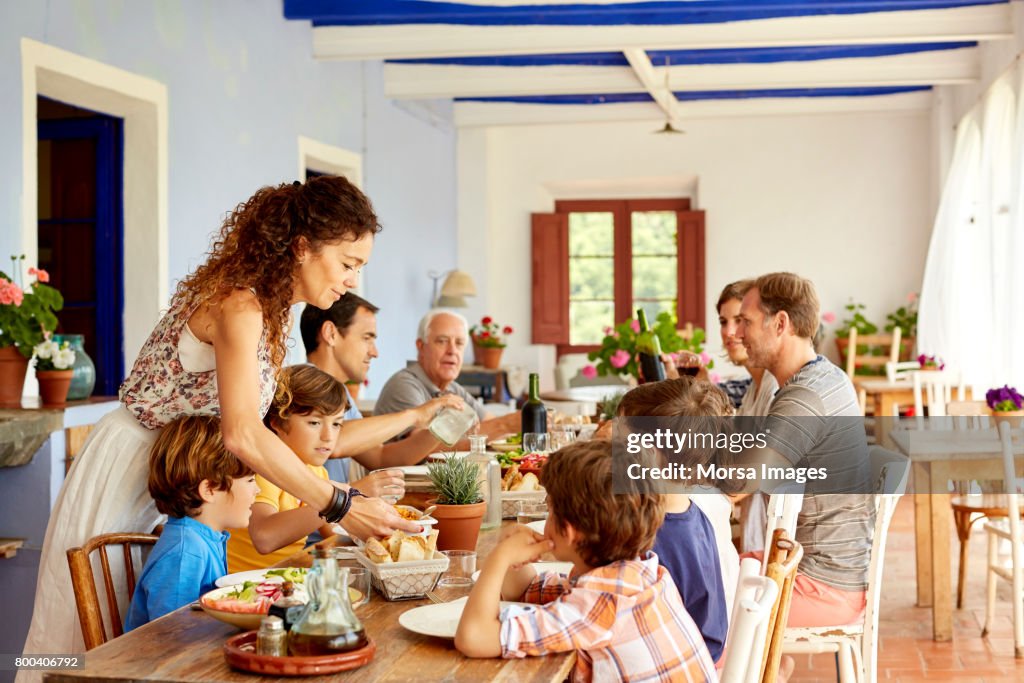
[105,491]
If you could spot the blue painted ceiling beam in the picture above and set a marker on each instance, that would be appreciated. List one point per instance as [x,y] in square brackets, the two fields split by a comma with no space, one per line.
[702,95]
[395,12]
[680,57]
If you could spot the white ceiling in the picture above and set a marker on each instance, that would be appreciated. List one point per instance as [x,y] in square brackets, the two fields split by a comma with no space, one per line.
[505,62]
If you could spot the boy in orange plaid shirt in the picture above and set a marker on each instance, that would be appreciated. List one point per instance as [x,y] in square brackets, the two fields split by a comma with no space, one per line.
[618,609]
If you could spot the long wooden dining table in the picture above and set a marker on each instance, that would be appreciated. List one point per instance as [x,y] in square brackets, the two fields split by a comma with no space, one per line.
[937,457]
[186,646]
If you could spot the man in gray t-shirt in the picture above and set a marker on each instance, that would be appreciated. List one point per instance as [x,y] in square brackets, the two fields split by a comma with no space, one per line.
[440,343]
[814,422]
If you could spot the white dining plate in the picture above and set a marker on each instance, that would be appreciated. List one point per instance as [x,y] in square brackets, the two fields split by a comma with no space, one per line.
[560,567]
[437,620]
[254,575]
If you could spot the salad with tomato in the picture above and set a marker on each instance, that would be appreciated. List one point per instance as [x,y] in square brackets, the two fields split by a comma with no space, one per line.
[528,462]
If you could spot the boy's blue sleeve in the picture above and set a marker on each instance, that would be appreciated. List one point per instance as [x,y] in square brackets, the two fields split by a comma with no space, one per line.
[174,580]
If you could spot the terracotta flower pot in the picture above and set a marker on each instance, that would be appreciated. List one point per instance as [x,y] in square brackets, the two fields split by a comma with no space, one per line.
[488,356]
[1015,418]
[458,526]
[54,385]
[13,367]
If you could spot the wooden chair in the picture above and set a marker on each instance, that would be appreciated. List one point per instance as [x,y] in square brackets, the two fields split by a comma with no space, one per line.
[937,386]
[84,582]
[900,369]
[784,557]
[856,645]
[756,595]
[969,507]
[890,342]
[783,509]
[997,569]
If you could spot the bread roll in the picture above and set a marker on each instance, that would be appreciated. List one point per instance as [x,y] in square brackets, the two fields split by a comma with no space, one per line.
[431,543]
[530,482]
[394,543]
[412,548]
[376,551]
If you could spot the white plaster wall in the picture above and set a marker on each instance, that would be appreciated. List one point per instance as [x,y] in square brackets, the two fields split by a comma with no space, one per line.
[242,87]
[842,199]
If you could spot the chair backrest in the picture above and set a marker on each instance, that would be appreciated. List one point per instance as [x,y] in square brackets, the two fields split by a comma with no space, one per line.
[1013,501]
[937,386]
[783,509]
[83,581]
[889,342]
[744,649]
[891,471]
[784,557]
[898,369]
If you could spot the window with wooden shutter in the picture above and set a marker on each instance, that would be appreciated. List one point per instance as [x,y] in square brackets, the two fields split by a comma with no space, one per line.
[596,262]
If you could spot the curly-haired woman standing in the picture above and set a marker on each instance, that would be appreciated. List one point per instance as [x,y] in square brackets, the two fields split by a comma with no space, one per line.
[217,350]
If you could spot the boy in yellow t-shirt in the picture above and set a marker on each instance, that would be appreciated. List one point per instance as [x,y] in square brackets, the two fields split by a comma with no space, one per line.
[306,415]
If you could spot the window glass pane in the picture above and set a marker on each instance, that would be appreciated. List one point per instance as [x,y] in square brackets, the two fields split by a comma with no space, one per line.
[654,277]
[591,234]
[587,320]
[653,308]
[591,278]
[654,232]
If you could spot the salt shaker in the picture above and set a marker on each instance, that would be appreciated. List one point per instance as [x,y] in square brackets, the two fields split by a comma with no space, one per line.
[271,638]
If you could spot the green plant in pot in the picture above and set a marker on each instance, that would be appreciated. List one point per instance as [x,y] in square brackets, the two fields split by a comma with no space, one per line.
[460,502]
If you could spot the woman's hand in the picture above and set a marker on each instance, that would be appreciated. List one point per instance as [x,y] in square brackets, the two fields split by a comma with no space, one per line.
[426,412]
[373,517]
[378,483]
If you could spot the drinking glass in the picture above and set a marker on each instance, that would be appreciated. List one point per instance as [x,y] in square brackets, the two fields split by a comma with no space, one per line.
[561,436]
[392,493]
[359,579]
[535,442]
[461,565]
[528,511]
[477,443]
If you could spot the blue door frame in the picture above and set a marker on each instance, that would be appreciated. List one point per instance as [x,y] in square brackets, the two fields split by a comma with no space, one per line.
[109,239]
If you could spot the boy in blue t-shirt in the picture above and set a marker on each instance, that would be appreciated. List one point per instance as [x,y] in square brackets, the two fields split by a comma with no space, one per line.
[204,490]
[685,543]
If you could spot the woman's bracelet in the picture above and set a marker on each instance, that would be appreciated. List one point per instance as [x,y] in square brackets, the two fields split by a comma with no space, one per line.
[340,503]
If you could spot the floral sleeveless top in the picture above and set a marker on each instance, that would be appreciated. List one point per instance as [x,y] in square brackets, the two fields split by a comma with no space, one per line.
[159,388]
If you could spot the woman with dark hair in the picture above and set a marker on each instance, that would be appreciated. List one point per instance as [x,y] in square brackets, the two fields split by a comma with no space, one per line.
[217,351]
[751,396]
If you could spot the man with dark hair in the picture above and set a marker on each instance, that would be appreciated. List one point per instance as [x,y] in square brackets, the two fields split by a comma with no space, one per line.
[813,422]
[342,341]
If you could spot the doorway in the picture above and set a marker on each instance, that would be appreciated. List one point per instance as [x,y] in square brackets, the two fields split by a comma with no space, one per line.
[80,229]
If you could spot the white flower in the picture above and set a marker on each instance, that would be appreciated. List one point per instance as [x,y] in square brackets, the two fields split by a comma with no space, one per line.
[46,349]
[64,358]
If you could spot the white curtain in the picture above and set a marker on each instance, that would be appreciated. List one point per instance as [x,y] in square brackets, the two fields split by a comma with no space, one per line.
[971,301]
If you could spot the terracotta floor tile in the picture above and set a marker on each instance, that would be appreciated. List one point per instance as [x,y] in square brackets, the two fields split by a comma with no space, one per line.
[906,652]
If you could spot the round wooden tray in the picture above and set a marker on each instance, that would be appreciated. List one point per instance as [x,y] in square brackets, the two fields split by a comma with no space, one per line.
[240,652]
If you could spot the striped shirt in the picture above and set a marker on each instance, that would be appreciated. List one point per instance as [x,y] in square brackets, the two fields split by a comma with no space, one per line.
[625,621]
[815,422]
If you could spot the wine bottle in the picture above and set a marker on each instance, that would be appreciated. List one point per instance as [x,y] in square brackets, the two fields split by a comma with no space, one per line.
[649,347]
[535,416]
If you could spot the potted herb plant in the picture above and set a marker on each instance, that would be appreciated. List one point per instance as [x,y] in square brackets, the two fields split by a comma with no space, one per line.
[1007,405]
[460,502]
